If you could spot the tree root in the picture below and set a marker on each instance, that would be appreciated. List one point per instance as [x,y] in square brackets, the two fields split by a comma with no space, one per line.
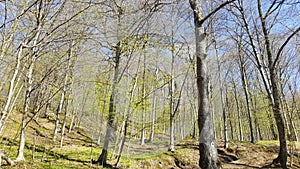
[7,159]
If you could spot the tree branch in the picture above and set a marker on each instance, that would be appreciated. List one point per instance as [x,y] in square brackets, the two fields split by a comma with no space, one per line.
[284,44]
[215,10]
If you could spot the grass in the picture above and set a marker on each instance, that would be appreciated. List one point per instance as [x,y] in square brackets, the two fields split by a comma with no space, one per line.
[78,149]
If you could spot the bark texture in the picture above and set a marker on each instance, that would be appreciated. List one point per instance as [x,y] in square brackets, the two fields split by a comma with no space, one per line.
[208,151]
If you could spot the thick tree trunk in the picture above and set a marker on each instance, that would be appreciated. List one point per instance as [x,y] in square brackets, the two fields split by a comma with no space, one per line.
[282,156]
[207,145]
[172,134]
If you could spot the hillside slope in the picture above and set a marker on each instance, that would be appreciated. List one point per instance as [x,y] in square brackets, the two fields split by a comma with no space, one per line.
[78,150]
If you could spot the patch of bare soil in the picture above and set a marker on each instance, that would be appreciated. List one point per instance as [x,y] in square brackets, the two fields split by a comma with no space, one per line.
[239,155]
[253,156]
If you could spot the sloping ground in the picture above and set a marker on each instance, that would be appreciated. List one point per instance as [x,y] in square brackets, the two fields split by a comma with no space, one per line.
[260,155]
[78,150]
[239,155]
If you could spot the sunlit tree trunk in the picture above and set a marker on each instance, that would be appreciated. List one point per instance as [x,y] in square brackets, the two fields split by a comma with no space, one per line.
[67,100]
[102,160]
[207,144]
[33,54]
[26,109]
[5,113]
[143,130]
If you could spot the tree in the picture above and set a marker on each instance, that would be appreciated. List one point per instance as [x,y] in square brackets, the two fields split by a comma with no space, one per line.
[34,44]
[207,145]
[242,67]
[266,56]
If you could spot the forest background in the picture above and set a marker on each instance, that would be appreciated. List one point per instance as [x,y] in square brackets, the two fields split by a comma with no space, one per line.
[125,72]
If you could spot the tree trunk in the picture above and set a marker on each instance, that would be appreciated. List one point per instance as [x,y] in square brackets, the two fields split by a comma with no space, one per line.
[172,134]
[102,160]
[64,123]
[153,116]
[29,84]
[224,113]
[207,145]
[123,141]
[5,113]
[26,109]
[66,80]
[102,118]
[143,134]
[292,132]
[246,92]
[282,156]
[7,159]
[238,109]
[59,109]
[128,114]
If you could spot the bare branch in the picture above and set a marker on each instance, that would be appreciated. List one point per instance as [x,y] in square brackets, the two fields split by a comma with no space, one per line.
[284,44]
[215,11]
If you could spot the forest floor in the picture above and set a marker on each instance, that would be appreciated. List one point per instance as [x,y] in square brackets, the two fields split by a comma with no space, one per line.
[238,155]
[78,149]
[260,155]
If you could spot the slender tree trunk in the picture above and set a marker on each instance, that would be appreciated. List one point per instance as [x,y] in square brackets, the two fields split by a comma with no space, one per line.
[66,80]
[246,92]
[62,134]
[224,113]
[60,108]
[292,133]
[29,83]
[72,120]
[238,109]
[143,136]
[5,113]
[102,118]
[26,109]
[102,160]
[123,141]
[153,116]
[128,114]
